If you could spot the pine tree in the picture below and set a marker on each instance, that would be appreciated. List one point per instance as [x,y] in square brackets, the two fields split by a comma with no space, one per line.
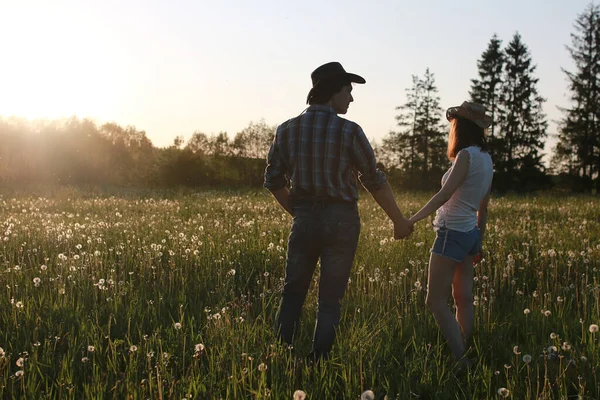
[403,143]
[428,125]
[486,89]
[419,147]
[578,147]
[522,121]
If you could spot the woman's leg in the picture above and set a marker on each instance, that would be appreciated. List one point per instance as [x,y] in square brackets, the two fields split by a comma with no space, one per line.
[441,276]
[462,291]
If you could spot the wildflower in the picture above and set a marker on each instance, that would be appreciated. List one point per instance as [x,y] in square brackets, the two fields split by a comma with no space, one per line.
[91,348]
[20,362]
[526,311]
[262,367]
[177,325]
[133,348]
[85,359]
[516,350]
[566,346]
[553,335]
[44,267]
[552,349]
[2,352]
[20,305]
[367,395]
[526,358]
[36,281]
[19,373]
[547,313]
[503,392]
[593,328]
[299,395]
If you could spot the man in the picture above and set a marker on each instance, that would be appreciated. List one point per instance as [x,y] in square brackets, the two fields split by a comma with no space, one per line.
[319,154]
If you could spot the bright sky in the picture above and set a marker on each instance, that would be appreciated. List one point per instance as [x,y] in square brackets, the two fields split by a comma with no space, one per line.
[174,67]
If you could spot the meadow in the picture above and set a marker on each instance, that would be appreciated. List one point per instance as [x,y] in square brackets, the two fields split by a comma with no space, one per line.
[172,295]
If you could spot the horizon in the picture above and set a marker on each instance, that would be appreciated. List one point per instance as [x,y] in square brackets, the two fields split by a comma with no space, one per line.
[173,69]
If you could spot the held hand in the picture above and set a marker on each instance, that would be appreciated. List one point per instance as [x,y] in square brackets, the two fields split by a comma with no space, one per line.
[402,228]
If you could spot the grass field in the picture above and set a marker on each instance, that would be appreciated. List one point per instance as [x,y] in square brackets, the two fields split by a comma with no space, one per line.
[172,295]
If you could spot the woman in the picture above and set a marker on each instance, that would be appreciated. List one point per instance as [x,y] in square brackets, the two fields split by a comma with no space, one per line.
[461,206]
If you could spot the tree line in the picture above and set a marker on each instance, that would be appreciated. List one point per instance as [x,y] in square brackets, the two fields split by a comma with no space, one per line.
[413,155]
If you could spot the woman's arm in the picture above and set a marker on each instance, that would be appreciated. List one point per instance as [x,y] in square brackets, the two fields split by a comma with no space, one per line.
[456,178]
[482,214]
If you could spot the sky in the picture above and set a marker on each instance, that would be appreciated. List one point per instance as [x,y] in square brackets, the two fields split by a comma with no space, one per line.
[174,67]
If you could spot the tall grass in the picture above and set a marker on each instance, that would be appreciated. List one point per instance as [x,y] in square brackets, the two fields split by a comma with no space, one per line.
[159,296]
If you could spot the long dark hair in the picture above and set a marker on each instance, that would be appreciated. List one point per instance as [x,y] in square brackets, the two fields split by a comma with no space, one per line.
[465,133]
[324,90]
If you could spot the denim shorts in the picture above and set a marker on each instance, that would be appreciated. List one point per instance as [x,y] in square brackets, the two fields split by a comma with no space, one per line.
[456,245]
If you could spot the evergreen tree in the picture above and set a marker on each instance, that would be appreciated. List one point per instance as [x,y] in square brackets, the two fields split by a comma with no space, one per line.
[486,89]
[522,121]
[578,147]
[432,138]
[403,143]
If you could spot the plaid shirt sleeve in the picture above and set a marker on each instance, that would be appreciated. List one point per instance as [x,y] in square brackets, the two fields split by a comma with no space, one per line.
[275,177]
[363,158]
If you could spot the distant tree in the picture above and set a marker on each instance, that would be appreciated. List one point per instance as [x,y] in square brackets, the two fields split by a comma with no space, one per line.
[522,121]
[578,146]
[486,88]
[199,143]
[402,144]
[432,138]
[254,140]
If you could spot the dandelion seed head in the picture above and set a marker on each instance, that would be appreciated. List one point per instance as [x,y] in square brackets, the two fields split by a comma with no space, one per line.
[593,328]
[503,392]
[526,358]
[526,311]
[177,325]
[299,395]
[367,395]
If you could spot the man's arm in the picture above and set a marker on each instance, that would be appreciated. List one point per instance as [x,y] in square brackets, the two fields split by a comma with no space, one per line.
[275,179]
[282,195]
[385,198]
[376,183]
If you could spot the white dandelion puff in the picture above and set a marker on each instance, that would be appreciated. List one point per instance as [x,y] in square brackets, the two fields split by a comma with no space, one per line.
[299,395]
[367,395]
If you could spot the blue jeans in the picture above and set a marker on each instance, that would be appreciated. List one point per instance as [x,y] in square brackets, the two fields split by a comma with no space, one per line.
[456,245]
[328,231]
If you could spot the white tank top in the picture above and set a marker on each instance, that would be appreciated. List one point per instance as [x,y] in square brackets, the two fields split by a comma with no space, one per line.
[460,212]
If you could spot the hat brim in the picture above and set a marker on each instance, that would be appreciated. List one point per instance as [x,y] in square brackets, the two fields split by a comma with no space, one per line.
[483,121]
[351,77]
[355,78]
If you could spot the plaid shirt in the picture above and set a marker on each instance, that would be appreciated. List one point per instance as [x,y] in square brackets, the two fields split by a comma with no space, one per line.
[321,153]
